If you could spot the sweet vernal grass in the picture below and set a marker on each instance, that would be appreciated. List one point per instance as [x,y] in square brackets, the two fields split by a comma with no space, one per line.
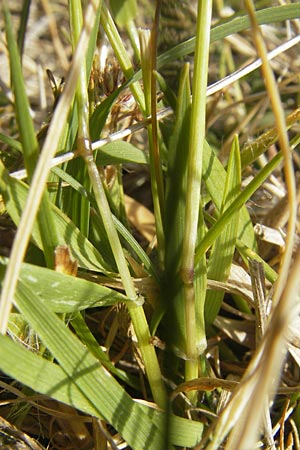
[164,289]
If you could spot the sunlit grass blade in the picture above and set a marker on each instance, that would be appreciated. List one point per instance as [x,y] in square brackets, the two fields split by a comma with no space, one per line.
[135,308]
[87,338]
[124,14]
[247,253]
[99,116]
[15,193]
[131,242]
[176,187]
[251,151]
[214,175]
[193,216]
[63,293]
[23,26]
[231,26]
[50,379]
[83,369]
[121,54]
[242,198]
[200,292]
[157,189]
[223,248]
[121,152]
[28,139]
[81,372]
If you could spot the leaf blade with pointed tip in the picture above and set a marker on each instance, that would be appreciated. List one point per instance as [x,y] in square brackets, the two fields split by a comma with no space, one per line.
[223,248]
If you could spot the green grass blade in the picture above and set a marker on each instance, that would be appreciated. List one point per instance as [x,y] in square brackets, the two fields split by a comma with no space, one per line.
[93,42]
[22,108]
[251,151]
[121,54]
[64,293]
[106,397]
[28,139]
[103,392]
[223,248]
[214,176]
[100,114]
[23,25]
[193,194]
[135,308]
[123,12]
[50,379]
[148,51]
[247,253]
[233,25]
[15,193]
[87,338]
[200,291]
[122,230]
[176,187]
[13,143]
[243,197]
[121,152]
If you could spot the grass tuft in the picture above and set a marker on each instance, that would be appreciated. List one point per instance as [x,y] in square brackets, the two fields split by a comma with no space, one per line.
[149,227]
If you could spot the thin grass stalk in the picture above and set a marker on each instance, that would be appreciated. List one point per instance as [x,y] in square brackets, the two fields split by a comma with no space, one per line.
[135,308]
[125,14]
[30,146]
[156,153]
[235,25]
[146,47]
[23,25]
[275,100]
[40,175]
[82,103]
[197,138]
[156,150]
[249,153]
[121,54]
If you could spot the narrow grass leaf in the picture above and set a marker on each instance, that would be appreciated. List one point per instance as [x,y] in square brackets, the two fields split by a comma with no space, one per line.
[13,143]
[246,253]
[121,152]
[50,379]
[15,193]
[122,230]
[21,103]
[100,114]
[103,392]
[242,198]
[232,25]
[23,26]
[123,12]
[28,139]
[252,150]
[64,293]
[214,176]
[117,44]
[87,338]
[176,187]
[106,396]
[223,248]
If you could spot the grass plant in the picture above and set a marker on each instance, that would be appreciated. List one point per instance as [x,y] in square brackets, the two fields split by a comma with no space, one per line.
[128,316]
